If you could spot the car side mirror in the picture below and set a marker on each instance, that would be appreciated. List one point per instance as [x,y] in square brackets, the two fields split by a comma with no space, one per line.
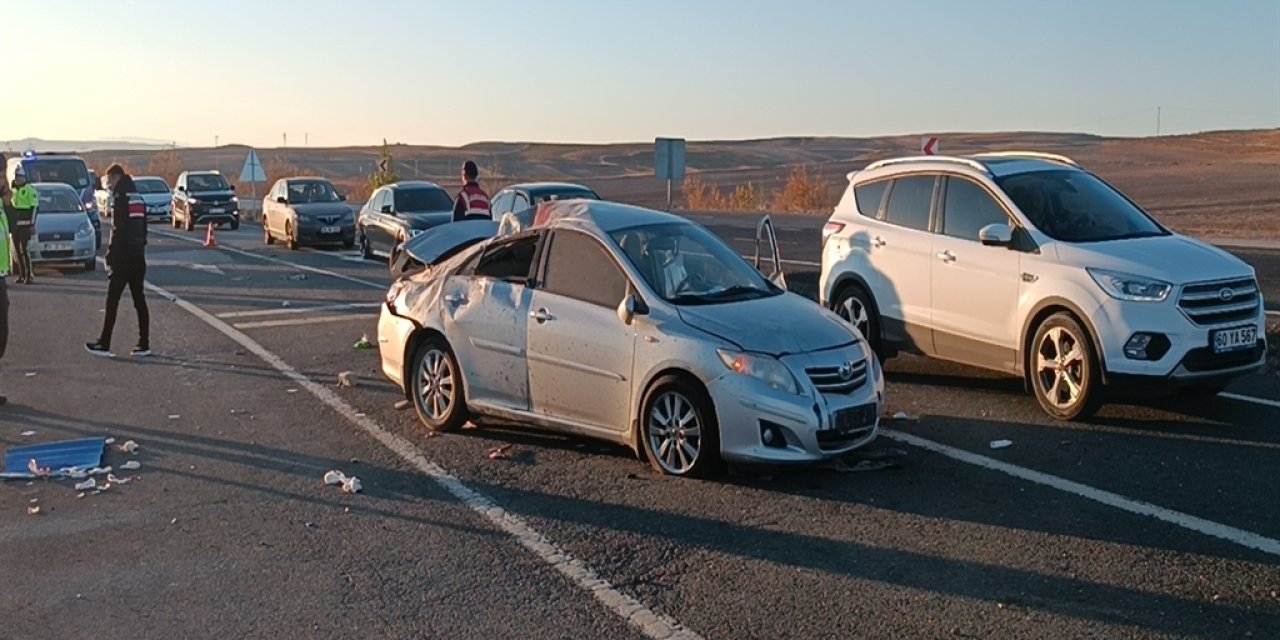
[996,235]
[386,208]
[631,307]
[282,200]
[182,189]
[342,197]
[233,188]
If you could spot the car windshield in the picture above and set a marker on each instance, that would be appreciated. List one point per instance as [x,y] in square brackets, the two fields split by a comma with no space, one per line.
[57,201]
[1076,206]
[207,182]
[311,191]
[422,199]
[566,194]
[69,171]
[686,264]
[151,186]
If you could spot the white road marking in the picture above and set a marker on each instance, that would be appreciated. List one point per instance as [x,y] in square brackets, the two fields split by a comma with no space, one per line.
[650,623]
[1115,500]
[294,310]
[1243,398]
[293,322]
[274,260]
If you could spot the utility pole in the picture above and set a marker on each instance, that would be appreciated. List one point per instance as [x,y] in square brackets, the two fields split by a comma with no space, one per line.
[285,138]
[1158,122]
[306,139]
[215,141]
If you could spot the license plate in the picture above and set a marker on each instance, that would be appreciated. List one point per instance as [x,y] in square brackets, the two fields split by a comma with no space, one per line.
[217,210]
[853,419]
[1234,339]
[57,246]
[330,229]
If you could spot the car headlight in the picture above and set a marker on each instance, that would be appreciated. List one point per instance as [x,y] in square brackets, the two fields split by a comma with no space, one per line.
[193,200]
[1124,286]
[84,231]
[235,198]
[766,369]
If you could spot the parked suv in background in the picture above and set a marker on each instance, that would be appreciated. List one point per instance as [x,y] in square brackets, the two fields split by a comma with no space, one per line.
[1027,264]
[202,197]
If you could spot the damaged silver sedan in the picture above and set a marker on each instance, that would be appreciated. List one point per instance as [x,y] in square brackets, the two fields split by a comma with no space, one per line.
[627,325]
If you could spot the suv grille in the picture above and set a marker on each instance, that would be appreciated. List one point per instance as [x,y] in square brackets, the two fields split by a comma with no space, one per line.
[1210,303]
[844,378]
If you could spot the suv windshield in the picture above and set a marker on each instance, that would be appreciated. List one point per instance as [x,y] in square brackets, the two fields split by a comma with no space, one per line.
[422,199]
[151,186]
[685,264]
[309,191]
[57,201]
[207,182]
[69,171]
[1076,206]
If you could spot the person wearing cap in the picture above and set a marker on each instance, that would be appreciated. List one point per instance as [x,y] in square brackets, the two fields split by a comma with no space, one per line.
[24,202]
[126,264]
[472,202]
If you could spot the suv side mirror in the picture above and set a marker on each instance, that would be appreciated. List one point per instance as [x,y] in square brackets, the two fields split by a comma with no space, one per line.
[182,188]
[342,197]
[282,200]
[631,307]
[996,235]
[386,208]
[233,187]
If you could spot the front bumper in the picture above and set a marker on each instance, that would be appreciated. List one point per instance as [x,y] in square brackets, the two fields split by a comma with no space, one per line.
[393,340]
[310,233]
[80,250]
[204,214]
[746,408]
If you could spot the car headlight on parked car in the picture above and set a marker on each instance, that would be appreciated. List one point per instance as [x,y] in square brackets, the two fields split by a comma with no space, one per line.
[193,200]
[1124,286]
[84,231]
[766,369]
[414,232]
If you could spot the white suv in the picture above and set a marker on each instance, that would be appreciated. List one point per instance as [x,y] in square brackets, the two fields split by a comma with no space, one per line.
[1027,264]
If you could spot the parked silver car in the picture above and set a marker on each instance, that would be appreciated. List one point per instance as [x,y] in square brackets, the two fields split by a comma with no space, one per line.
[628,325]
[64,234]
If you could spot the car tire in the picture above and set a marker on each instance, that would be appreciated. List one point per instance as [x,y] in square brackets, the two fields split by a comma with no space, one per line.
[290,240]
[1065,372]
[235,224]
[366,249]
[857,307]
[675,418]
[267,238]
[436,387]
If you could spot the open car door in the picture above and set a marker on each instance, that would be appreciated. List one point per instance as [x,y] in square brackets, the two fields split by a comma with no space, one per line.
[764,230]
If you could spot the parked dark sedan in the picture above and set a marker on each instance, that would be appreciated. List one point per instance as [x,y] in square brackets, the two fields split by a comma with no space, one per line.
[519,197]
[307,211]
[399,211]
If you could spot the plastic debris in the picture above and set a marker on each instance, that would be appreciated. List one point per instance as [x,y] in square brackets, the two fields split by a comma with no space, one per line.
[352,485]
[99,471]
[80,496]
[469,425]
[37,470]
[132,465]
[363,342]
[403,404]
[284,303]
[290,390]
[77,474]
[901,415]
[112,479]
[34,510]
[109,441]
[500,453]
[129,447]
[312,525]
[27,434]
[173,521]
[298,276]
[334,478]
[86,485]
[360,415]
[239,412]
[1001,444]
[348,379]
[174,416]
[31,374]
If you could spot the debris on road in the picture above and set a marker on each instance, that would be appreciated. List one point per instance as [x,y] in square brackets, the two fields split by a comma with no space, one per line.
[298,276]
[27,434]
[500,453]
[1001,444]
[403,404]
[80,496]
[109,441]
[132,465]
[31,374]
[360,415]
[41,460]
[34,510]
[239,412]
[37,470]
[363,342]
[130,447]
[901,415]
[352,485]
[312,525]
[334,477]
[112,479]
[86,485]
[348,379]
[173,521]
[290,390]
[469,425]
[284,303]
[174,416]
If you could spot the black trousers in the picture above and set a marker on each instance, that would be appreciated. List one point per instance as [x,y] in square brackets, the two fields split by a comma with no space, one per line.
[127,271]
[21,250]
[4,315]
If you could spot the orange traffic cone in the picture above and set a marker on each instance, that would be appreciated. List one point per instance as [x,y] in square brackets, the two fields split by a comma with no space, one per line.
[210,241]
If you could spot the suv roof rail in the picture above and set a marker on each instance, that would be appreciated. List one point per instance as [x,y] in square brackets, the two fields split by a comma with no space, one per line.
[973,164]
[1037,155]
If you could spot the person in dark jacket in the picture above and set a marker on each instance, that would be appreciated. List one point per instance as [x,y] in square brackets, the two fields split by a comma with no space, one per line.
[472,202]
[126,263]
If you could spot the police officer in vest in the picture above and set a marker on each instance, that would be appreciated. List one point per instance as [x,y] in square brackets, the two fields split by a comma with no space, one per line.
[472,202]
[24,202]
[6,195]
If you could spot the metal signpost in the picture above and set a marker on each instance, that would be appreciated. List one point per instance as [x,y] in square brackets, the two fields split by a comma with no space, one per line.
[253,174]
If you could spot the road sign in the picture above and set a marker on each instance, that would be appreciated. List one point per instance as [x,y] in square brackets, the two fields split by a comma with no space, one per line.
[668,158]
[929,146]
[252,171]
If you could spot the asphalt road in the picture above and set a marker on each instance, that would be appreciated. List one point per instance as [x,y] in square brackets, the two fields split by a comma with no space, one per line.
[1150,521]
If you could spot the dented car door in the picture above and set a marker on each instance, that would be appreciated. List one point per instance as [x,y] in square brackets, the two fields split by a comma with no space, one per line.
[486,315]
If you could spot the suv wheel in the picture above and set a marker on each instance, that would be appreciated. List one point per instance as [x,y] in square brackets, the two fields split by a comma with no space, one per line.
[854,304]
[235,224]
[1064,369]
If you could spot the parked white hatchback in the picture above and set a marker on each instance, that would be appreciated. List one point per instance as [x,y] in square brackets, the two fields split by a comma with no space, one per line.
[628,325]
[1027,264]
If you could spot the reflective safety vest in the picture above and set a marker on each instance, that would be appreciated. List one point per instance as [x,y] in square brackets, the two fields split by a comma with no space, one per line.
[4,244]
[475,202]
[24,201]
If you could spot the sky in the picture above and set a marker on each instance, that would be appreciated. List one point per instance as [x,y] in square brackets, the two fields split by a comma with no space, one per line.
[337,72]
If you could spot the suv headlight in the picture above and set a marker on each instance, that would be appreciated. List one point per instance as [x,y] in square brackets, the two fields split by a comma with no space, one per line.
[1124,286]
[84,231]
[766,369]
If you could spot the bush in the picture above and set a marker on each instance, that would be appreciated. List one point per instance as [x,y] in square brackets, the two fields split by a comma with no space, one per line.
[165,164]
[746,198]
[384,173]
[699,196]
[802,193]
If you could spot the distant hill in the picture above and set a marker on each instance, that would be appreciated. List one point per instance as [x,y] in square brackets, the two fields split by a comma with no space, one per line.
[76,146]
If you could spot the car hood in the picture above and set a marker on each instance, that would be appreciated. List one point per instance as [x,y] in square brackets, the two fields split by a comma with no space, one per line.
[441,242]
[59,222]
[323,208]
[428,219]
[1166,258]
[778,325]
[154,199]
